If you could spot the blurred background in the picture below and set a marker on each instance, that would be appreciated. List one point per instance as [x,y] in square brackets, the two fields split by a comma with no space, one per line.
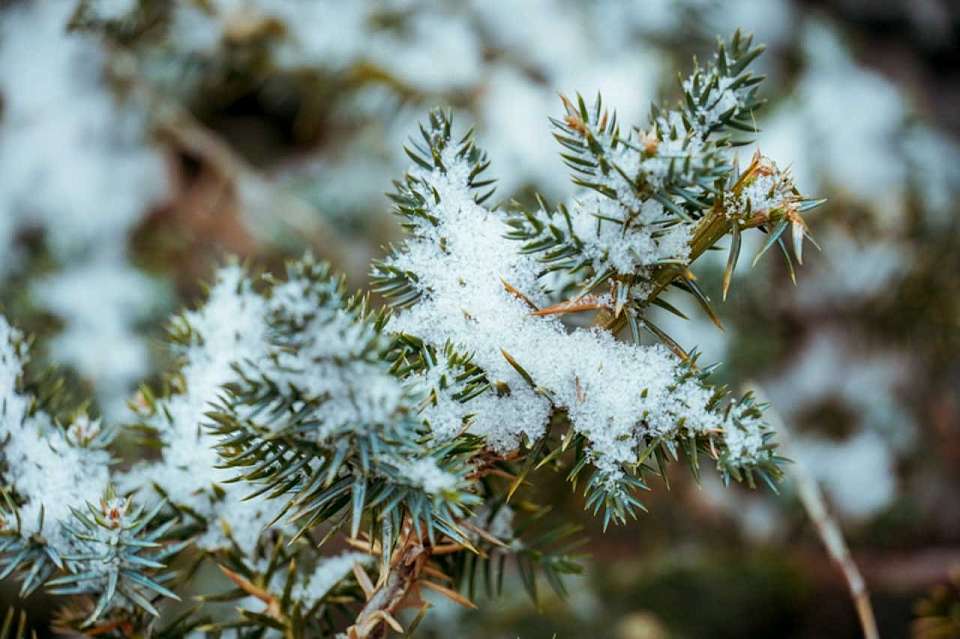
[142,141]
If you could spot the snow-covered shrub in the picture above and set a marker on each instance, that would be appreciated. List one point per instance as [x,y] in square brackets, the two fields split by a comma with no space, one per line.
[78,170]
[300,413]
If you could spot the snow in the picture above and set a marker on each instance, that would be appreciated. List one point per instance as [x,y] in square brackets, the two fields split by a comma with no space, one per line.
[332,361]
[627,241]
[858,157]
[743,437]
[329,572]
[934,160]
[859,473]
[301,336]
[857,470]
[767,190]
[424,473]
[113,9]
[850,270]
[74,161]
[14,406]
[101,301]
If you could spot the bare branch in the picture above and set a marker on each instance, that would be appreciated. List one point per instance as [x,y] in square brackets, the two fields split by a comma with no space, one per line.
[829,531]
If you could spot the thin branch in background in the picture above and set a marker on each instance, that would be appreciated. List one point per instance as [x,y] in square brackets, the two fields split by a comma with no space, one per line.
[829,531]
[264,203]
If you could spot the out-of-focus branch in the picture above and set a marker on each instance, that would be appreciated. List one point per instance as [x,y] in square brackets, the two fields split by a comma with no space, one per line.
[272,213]
[829,531]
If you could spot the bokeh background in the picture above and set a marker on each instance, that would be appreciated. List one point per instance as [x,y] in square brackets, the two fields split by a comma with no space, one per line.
[143,141]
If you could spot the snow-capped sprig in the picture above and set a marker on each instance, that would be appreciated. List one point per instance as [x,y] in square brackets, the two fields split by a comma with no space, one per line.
[474,290]
[444,379]
[415,198]
[677,158]
[119,558]
[740,444]
[324,424]
[748,445]
[723,95]
[765,196]
[50,474]
[646,189]
[657,198]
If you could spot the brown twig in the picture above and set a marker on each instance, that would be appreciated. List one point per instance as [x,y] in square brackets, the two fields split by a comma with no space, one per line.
[265,204]
[393,590]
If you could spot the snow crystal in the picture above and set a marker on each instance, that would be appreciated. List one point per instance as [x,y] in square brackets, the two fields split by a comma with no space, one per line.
[722,100]
[238,327]
[54,477]
[330,360]
[744,438]
[627,241]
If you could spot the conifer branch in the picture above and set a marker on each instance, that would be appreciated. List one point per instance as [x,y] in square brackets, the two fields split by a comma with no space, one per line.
[298,413]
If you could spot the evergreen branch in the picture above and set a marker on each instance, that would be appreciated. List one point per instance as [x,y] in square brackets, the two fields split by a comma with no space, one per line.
[294,595]
[333,451]
[534,548]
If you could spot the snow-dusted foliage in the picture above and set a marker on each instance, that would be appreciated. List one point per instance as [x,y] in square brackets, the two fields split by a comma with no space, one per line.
[462,280]
[227,329]
[51,469]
